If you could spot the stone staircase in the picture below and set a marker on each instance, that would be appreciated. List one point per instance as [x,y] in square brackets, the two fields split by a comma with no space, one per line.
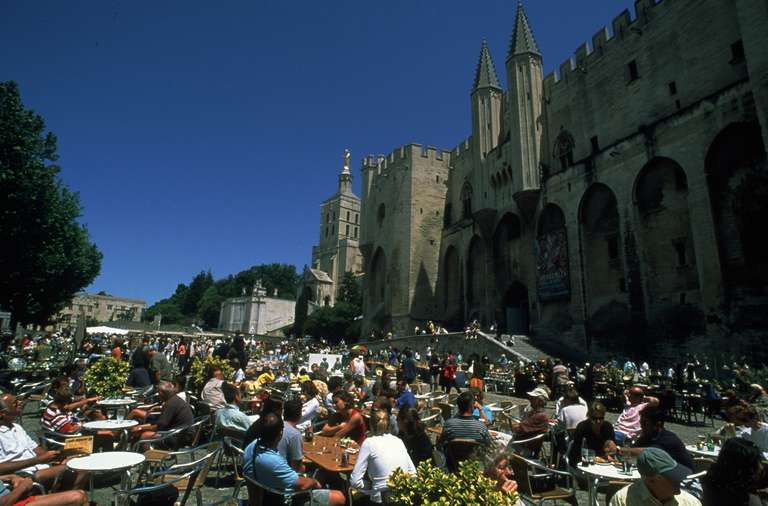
[523,348]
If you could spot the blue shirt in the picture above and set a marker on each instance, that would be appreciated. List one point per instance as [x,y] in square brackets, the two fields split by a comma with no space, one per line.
[487,411]
[268,467]
[406,399]
[290,445]
[230,417]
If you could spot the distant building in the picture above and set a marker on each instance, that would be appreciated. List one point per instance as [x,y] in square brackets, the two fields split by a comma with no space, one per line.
[338,251]
[256,313]
[101,308]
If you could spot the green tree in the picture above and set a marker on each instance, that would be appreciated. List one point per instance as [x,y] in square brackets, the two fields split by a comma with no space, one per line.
[209,307]
[170,308]
[46,255]
[333,323]
[197,288]
[350,292]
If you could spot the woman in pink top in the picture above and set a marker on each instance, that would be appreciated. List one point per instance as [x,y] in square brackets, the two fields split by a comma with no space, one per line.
[628,423]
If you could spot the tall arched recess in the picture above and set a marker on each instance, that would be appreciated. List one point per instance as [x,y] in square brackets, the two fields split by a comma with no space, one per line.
[606,299]
[738,187]
[453,311]
[553,278]
[377,284]
[476,277]
[505,249]
[664,235]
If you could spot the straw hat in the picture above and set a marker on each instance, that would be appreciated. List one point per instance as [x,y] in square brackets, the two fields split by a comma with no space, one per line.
[540,393]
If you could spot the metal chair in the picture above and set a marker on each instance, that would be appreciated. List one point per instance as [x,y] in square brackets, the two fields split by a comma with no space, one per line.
[529,447]
[189,479]
[524,469]
[459,450]
[446,410]
[257,490]
[203,465]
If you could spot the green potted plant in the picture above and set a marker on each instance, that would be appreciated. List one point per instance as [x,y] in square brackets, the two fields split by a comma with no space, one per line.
[435,486]
[201,370]
[106,377]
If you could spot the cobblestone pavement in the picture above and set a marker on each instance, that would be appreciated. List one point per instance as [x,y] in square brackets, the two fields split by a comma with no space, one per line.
[103,493]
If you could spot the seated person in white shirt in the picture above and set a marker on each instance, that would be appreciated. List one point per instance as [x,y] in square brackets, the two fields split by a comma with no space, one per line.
[380,455]
[310,406]
[754,430]
[559,402]
[571,412]
[19,454]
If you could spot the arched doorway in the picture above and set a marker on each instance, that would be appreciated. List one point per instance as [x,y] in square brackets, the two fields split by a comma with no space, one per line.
[601,249]
[515,305]
[738,187]
[452,298]
[665,236]
[377,282]
[476,274]
[504,252]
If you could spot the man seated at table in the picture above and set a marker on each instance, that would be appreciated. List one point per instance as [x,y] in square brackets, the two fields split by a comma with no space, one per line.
[464,425]
[654,435]
[20,488]
[405,398]
[572,412]
[174,414]
[744,422]
[660,481]
[264,464]
[628,423]
[479,410]
[596,431]
[229,416]
[212,393]
[535,419]
[21,455]
[290,446]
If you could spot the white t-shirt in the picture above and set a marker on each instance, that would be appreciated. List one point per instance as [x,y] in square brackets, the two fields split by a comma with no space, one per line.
[15,444]
[308,413]
[379,457]
[571,416]
[758,436]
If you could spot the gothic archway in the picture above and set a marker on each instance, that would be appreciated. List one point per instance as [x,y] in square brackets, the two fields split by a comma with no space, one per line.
[452,297]
[507,231]
[377,283]
[515,312]
[476,275]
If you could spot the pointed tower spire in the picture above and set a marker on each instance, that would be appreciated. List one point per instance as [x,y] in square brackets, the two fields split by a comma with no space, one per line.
[522,38]
[345,178]
[485,74]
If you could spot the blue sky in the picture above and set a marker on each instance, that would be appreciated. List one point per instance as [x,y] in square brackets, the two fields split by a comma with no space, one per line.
[204,135]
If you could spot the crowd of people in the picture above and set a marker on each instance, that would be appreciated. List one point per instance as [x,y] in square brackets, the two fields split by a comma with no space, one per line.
[369,399]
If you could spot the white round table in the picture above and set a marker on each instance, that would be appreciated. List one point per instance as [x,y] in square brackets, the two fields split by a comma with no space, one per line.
[107,461]
[704,452]
[596,473]
[110,424]
[115,403]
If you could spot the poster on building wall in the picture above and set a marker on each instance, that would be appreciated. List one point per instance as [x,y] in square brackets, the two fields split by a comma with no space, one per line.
[329,360]
[552,266]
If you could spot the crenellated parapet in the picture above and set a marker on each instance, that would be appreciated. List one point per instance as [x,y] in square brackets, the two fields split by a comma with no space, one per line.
[609,38]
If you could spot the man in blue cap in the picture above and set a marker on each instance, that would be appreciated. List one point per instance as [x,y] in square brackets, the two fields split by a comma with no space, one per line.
[659,485]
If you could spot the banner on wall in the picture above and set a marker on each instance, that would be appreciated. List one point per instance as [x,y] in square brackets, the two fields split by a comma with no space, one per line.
[552,266]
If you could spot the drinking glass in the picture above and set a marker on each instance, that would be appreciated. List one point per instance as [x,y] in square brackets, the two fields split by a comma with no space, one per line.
[120,414]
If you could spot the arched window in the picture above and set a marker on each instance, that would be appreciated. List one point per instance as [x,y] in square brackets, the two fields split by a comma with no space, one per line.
[466,201]
[381,214]
[563,151]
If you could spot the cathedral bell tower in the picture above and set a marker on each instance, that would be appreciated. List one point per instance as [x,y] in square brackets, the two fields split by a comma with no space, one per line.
[486,104]
[525,78]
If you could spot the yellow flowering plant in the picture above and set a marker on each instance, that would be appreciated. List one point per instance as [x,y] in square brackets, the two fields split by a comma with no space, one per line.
[433,486]
[106,377]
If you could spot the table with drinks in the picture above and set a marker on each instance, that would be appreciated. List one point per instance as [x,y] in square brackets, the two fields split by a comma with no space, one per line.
[329,453]
[623,469]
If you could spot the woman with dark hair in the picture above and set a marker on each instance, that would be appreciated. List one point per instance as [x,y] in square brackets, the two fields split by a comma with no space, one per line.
[414,435]
[735,477]
[347,421]
[310,406]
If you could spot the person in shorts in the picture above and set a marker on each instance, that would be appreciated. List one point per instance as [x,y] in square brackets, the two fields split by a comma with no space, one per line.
[264,464]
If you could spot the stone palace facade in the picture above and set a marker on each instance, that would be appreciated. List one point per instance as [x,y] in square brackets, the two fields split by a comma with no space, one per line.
[625,191]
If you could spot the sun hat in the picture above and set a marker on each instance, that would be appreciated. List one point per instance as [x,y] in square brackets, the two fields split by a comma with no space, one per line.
[540,393]
[655,461]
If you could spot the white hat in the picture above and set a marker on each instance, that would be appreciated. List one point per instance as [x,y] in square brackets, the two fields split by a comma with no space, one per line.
[540,393]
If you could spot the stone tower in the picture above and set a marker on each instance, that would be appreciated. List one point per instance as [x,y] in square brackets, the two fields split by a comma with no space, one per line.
[524,76]
[338,250]
[486,104]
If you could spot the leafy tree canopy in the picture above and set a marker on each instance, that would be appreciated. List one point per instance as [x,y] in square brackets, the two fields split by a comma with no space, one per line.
[200,301]
[46,255]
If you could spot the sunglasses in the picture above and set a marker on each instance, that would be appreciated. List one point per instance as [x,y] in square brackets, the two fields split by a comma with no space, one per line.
[597,418]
